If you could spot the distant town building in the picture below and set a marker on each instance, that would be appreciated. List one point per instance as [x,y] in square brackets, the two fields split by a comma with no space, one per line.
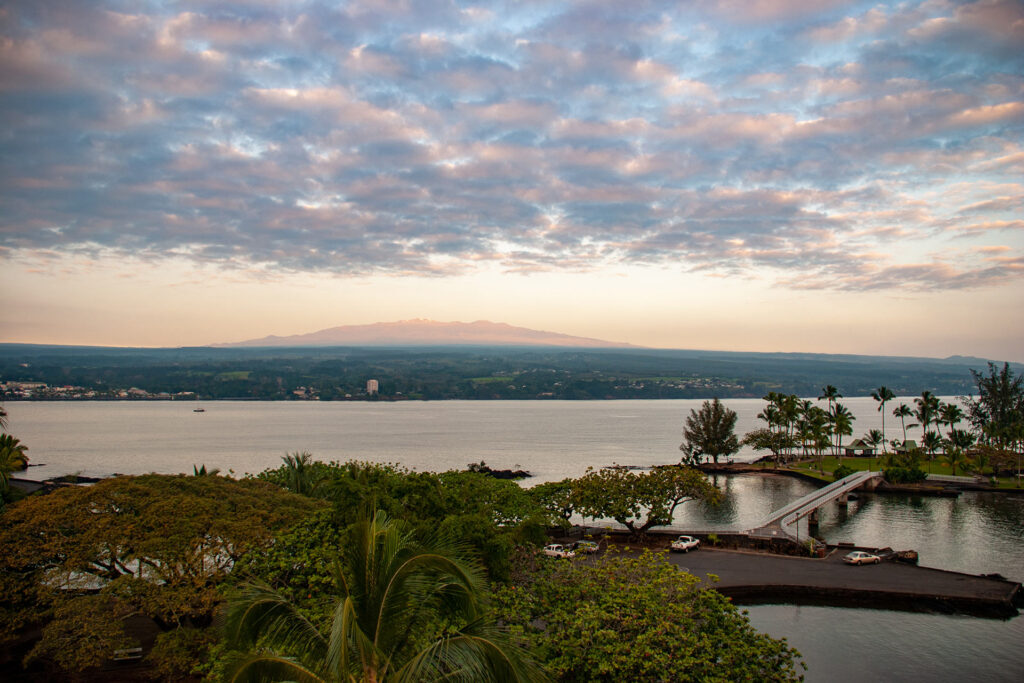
[372,386]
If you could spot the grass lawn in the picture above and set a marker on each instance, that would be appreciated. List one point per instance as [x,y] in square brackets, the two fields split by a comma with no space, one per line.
[830,463]
[936,466]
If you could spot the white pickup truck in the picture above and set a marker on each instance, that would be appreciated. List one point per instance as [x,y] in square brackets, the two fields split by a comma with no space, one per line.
[558,550]
[685,544]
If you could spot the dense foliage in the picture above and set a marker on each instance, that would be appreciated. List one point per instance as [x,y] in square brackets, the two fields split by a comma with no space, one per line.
[82,558]
[710,433]
[904,475]
[640,501]
[492,515]
[627,618]
[403,610]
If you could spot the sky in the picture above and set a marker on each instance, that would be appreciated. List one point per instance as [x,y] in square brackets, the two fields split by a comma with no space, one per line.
[758,175]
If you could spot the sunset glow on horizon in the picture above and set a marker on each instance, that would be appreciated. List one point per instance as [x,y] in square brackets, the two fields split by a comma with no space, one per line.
[834,177]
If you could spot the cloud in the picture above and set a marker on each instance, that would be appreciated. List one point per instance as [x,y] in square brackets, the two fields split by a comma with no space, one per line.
[835,145]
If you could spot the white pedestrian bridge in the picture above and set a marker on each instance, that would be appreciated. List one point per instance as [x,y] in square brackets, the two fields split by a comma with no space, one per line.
[774,525]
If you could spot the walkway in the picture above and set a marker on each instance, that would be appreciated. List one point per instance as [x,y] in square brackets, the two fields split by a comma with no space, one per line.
[775,524]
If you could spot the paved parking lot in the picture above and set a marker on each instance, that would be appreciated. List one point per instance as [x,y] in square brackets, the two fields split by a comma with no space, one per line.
[747,570]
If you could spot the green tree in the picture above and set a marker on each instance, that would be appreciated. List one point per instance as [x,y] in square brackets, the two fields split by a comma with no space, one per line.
[883,395]
[557,498]
[931,442]
[641,501]
[902,411]
[404,612]
[831,394]
[927,410]
[768,440]
[623,618]
[874,438]
[842,425]
[956,448]
[12,459]
[950,414]
[998,412]
[299,476]
[154,545]
[710,432]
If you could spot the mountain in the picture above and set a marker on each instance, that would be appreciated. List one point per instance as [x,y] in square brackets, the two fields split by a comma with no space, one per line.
[421,332]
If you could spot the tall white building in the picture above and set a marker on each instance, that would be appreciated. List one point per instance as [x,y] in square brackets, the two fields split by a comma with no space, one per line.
[372,386]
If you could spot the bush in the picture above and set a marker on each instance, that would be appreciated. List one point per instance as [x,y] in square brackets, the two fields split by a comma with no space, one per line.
[842,471]
[904,475]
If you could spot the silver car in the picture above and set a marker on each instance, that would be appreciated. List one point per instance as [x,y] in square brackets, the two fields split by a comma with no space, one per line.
[861,557]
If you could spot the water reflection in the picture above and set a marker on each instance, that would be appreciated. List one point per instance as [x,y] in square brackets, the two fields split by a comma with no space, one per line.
[979,533]
[843,644]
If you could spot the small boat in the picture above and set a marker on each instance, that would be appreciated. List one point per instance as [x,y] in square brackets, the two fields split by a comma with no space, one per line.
[199,410]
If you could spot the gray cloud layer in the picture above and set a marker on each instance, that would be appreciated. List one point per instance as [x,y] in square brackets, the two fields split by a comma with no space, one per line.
[431,137]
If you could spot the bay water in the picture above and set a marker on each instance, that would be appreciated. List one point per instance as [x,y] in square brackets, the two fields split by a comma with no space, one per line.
[976,533]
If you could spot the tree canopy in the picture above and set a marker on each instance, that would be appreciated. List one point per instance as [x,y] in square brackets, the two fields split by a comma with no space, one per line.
[998,411]
[710,432]
[640,618]
[404,611]
[640,501]
[155,545]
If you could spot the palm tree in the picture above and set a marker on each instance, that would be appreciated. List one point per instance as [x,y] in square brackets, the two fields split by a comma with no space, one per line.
[956,447]
[902,411]
[842,425]
[203,472]
[951,415]
[831,394]
[404,613]
[299,476]
[874,438]
[12,458]
[927,410]
[883,395]
[931,442]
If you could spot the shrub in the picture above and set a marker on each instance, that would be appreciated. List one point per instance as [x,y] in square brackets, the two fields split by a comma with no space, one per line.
[842,471]
[904,475]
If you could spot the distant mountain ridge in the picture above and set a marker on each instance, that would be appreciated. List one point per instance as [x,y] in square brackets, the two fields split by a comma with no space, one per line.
[421,332]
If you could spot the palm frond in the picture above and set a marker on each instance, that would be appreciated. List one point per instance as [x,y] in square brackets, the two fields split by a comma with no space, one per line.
[481,652]
[262,617]
[262,668]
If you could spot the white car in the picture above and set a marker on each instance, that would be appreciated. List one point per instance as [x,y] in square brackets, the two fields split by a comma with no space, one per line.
[861,557]
[685,544]
[558,550]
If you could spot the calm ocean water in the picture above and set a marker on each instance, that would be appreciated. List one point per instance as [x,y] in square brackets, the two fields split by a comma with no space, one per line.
[551,439]
[977,533]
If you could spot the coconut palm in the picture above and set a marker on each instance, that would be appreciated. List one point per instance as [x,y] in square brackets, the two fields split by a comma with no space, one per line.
[903,411]
[883,395]
[842,425]
[874,438]
[950,414]
[299,476]
[931,442]
[831,394]
[927,410]
[12,458]
[956,448]
[405,612]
